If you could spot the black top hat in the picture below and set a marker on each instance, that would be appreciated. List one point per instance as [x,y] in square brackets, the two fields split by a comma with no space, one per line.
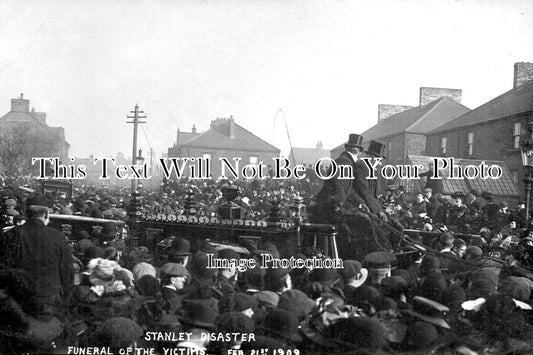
[376,149]
[354,140]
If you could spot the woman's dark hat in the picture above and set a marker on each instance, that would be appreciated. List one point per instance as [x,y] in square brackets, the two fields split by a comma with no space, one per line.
[326,277]
[458,194]
[487,195]
[376,149]
[282,324]
[355,140]
[38,200]
[198,314]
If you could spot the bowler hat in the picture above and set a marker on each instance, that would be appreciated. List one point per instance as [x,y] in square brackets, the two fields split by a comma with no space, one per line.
[376,149]
[109,229]
[354,140]
[355,272]
[200,272]
[180,247]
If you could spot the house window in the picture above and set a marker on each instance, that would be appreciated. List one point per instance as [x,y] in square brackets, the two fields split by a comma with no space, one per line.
[254,159]
[516,135]
[443,145]
[470,143]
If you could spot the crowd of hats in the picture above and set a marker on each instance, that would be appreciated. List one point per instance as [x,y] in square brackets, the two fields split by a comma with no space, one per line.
[372,305]
[463,212]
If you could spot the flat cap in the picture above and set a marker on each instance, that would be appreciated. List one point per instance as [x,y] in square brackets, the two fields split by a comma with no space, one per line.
[173,269]
[10,202]
[380,259]
[268,297]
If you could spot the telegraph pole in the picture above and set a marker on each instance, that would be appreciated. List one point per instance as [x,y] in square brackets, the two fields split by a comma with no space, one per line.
[137,114]
[151,154]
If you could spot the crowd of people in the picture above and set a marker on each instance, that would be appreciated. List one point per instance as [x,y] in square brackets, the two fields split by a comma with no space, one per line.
[462,287]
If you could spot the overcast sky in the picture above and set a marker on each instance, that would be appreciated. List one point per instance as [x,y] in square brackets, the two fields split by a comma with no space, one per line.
[326,64]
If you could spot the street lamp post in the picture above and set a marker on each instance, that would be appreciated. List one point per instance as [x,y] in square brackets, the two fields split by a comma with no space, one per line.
[526,148]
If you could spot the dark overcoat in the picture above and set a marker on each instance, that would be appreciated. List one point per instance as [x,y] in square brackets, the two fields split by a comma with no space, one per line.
[337,193]
[44,253]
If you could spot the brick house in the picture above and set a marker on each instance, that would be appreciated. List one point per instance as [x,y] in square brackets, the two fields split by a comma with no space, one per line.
[307,156]
[28,131]
[492,131]
[224,139]
[403,129]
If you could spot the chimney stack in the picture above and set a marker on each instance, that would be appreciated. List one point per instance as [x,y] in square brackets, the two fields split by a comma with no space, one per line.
[385,111]
[523,73]
[428,94]
[20,104]
[231,127]
[193,128]
[319,145]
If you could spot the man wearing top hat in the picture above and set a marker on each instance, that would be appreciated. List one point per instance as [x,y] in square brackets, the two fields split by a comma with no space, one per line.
[337,194]
[41,251]
[367,189]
